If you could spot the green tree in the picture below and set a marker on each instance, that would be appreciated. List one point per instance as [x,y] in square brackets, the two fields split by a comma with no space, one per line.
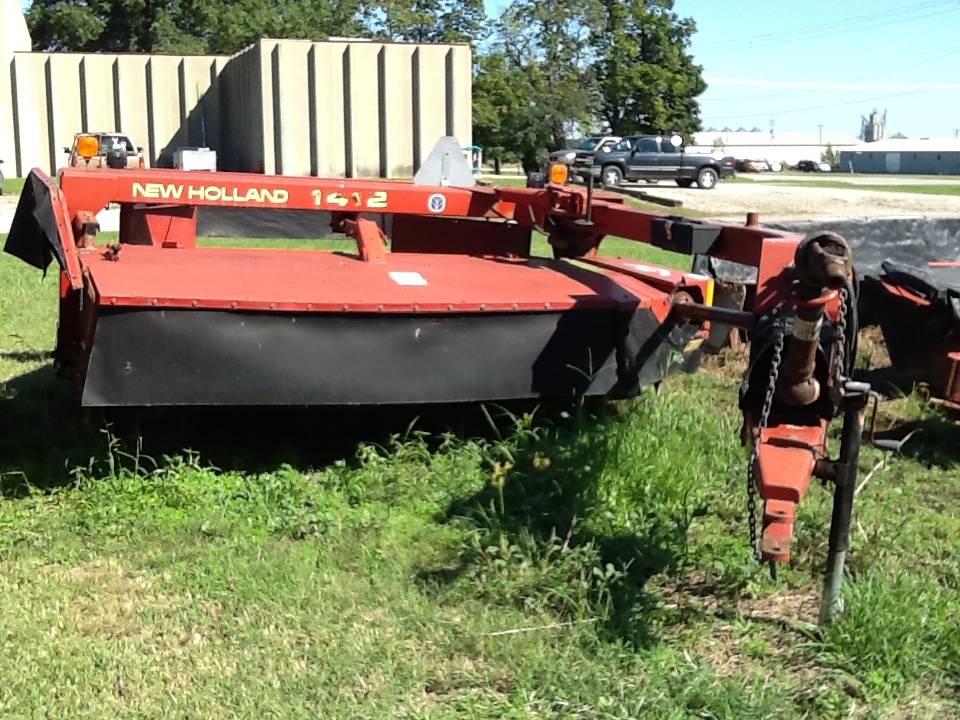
[429,20]
[544,45]
[646,79]
[618,64]
[230,25]
[501,101]
[116,25]
[186,26]
[831,156]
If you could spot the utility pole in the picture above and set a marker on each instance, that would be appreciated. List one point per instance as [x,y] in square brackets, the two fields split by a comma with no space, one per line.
[820,127]
[956,133]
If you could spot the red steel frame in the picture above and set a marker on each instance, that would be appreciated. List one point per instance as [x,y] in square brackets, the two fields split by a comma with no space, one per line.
[168,198]
[161,207]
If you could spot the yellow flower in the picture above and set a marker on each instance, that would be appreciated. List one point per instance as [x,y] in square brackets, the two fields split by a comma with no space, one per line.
[500,473]
[541,462]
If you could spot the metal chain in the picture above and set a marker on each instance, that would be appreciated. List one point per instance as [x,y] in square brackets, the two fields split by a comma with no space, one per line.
[755,452]
[841,371]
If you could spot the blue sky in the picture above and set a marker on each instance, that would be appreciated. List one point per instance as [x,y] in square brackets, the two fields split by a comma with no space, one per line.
[805,63]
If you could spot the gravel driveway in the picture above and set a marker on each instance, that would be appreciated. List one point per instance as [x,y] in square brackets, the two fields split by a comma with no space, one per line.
[731,201]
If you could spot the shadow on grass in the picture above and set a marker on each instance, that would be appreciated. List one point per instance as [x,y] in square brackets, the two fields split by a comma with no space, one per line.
[889,382]
[46,434]
[536,542]
[930,440]
[539,520]
[26,356]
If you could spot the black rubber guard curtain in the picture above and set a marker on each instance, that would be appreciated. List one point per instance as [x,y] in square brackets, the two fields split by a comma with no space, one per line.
[34,236]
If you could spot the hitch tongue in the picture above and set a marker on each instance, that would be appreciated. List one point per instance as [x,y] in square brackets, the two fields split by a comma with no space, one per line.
[822,265]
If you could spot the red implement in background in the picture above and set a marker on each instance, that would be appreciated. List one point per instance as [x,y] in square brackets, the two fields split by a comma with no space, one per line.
[442,301]
[918,309]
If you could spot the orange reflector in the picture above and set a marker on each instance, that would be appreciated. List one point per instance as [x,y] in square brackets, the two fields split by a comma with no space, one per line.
[87,146]
[558,173]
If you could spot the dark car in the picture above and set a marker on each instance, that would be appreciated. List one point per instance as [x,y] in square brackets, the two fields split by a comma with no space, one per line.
[589,145]
[812,166]
[582,156]
[656,157]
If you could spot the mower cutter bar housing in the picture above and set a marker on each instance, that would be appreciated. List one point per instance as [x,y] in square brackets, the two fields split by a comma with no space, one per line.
[456,310]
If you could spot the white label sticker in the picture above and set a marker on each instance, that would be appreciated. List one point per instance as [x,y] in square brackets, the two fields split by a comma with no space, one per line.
[407,278]
[647,269]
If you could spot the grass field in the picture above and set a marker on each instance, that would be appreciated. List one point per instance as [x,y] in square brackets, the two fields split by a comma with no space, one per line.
[546,564]
[12,186]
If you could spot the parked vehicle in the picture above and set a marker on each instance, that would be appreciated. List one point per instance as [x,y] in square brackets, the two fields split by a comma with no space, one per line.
[589,145]
[753,166]
[813,166]
[104,149]
[653,158]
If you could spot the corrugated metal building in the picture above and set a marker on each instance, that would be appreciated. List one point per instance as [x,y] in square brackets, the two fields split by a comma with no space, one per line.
[14,37]
[790,147]
[927,156]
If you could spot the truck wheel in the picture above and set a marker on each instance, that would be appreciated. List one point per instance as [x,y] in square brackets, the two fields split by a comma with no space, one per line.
[612,176]
[684,182]
[707,179]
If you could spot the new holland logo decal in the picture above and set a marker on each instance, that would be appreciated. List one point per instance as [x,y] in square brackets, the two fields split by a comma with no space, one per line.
[437,203]
[210,193]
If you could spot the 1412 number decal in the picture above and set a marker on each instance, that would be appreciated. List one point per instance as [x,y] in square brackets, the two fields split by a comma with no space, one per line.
[376,199]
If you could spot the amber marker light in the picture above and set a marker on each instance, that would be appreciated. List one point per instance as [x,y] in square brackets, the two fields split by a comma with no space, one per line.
[87,146]
[558,173]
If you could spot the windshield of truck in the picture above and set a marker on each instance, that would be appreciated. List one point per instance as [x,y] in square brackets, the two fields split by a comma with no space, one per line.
[588,144]
[109,142]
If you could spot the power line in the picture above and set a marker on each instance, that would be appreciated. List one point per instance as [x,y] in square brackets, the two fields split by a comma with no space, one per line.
[795,38]
[816,107]
[861,22]
[819,27]
[833,33]
[954,51]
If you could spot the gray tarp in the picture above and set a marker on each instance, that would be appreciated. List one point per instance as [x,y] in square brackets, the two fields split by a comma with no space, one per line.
[902,241]
[259,223]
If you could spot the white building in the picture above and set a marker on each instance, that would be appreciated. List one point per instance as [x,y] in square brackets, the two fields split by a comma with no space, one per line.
[789,147]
